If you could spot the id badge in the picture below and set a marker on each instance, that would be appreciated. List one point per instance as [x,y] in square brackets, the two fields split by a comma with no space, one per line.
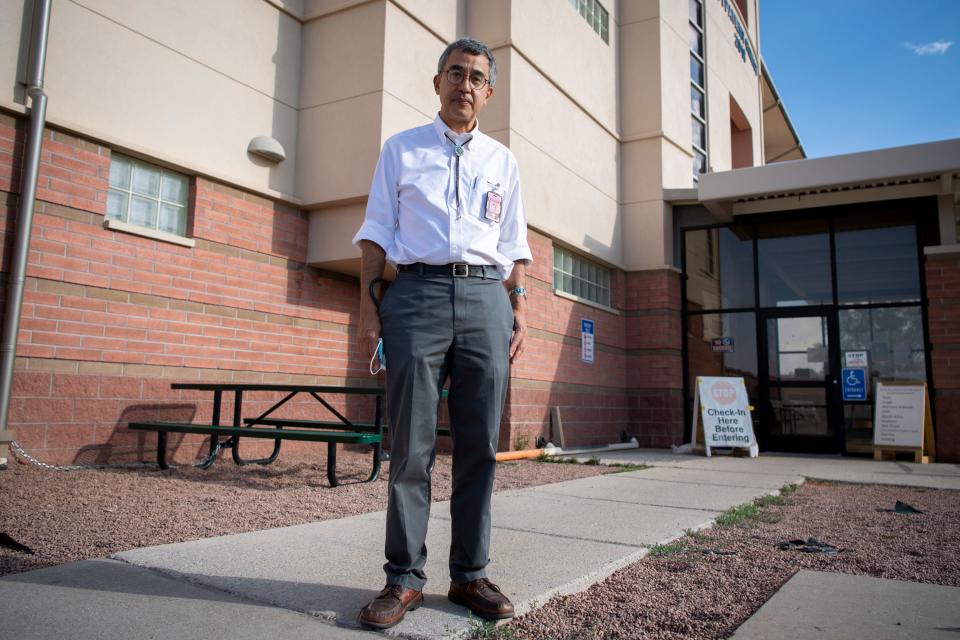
[494,204]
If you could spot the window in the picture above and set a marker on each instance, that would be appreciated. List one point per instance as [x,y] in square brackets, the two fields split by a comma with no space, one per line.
[719,267]
[147,196]
[595,15]
[793,263]
[742,6]
[580,277]
[698,90]
[876,257]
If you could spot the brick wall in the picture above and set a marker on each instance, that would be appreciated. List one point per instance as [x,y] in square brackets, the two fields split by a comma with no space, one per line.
[110,319]
[633,386]
[943,292]
[655,357]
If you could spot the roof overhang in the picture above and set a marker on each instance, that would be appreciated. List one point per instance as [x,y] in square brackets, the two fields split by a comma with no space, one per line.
[916,170]
[780,139]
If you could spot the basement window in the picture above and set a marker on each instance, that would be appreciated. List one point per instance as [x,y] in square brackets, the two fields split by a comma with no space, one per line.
[148,196]
[577,276]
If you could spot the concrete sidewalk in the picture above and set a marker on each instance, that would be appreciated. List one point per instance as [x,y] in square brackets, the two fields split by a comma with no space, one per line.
[311,580]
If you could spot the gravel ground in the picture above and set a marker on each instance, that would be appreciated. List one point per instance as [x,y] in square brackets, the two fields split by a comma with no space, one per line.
[703,586]
[709,583]
[64,516]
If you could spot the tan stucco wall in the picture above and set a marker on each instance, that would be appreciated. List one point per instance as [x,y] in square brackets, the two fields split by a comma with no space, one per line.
[188,83]
[599,129]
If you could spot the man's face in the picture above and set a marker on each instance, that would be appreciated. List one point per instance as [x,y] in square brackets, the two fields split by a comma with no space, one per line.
[460,103]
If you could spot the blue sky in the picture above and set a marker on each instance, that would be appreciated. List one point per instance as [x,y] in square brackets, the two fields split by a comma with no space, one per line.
[865,74]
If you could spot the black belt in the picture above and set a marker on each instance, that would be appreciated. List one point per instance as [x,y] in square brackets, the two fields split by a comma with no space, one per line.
[454,270]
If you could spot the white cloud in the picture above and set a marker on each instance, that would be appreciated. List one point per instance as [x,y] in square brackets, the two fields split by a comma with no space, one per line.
[940,46]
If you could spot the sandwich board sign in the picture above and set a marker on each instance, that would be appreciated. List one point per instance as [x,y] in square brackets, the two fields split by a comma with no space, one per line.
[724,409]
[902,421]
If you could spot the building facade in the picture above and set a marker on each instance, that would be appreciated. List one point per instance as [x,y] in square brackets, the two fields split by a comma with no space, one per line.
[206,164]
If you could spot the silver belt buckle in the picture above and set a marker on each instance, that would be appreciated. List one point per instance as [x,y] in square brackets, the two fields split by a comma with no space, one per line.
[461,270]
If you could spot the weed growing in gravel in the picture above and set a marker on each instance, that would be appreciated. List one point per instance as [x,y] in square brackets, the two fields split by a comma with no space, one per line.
[756,510]
[770,501]
[778,500]
[488,630]
[668,549]
[735,516]
[555,460]
[622,467]
[625,467]
[789,489]
[699,537]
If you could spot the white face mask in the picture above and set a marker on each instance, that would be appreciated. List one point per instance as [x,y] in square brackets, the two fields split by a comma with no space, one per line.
[379,357]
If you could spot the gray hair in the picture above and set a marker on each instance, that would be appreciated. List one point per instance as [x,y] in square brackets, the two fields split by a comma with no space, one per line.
[474,48]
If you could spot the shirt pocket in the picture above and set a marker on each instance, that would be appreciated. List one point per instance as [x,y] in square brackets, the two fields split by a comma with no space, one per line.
[483,186]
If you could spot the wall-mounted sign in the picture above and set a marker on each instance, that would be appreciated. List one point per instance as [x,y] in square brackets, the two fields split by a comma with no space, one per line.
[740,39]
[723,406]
[722,345]
[855,359]
[854,382]
[586,341]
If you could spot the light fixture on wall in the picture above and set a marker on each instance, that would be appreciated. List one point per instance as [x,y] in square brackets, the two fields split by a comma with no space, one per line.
[267,148]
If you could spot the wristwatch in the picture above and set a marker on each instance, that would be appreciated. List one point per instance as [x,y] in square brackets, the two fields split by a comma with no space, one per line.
[519,291]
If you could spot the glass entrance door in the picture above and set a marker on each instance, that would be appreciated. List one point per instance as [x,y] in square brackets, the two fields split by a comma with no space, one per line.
[799,381]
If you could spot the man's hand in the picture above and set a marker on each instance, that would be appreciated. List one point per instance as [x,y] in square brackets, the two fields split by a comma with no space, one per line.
[518,276]
[368,328]
[519,326]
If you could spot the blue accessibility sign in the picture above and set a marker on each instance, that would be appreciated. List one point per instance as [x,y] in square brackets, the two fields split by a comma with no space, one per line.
[854,384]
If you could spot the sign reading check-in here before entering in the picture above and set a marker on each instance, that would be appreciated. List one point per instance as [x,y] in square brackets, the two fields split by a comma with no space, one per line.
[723,406]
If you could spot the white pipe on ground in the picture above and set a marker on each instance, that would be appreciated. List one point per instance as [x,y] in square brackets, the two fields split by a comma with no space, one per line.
[551,450]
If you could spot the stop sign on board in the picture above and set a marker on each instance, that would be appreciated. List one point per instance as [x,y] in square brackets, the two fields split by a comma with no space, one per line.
[723,392]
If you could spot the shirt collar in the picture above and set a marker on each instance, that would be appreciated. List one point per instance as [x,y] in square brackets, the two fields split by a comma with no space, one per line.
[461,138]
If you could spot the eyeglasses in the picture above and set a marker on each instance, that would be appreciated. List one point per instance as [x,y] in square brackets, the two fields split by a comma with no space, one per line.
[455,77]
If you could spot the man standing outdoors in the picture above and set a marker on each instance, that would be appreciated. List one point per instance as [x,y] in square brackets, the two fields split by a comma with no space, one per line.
[445,208]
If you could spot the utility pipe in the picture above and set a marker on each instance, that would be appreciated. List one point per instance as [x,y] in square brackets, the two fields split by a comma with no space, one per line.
[16,278]
[523,454]
[551,450]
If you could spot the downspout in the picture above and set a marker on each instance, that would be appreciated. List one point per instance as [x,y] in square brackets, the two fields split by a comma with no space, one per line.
[28,196]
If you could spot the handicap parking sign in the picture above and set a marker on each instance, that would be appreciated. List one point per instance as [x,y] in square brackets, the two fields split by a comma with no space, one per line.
[854,384]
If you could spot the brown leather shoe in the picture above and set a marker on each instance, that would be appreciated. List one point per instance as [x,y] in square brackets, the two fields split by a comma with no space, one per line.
[482,597]
[389,607]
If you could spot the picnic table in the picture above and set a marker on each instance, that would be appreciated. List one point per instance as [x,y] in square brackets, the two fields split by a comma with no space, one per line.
[333,432]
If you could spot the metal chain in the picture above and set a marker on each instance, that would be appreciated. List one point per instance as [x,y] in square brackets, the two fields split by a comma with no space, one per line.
[24,457]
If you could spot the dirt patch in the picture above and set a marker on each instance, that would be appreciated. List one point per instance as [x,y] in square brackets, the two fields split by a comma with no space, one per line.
[707,584]
[64,516]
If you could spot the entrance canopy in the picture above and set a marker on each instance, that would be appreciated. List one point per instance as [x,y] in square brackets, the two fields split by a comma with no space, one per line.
[929,169]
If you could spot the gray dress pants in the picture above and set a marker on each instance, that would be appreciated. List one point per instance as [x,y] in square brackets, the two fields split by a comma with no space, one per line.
[434,327]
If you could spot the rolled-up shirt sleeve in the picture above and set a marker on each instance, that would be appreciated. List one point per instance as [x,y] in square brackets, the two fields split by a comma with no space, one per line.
[380,221]
[513,226]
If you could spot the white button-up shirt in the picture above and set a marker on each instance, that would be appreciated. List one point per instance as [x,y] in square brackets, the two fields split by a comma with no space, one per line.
[427,205]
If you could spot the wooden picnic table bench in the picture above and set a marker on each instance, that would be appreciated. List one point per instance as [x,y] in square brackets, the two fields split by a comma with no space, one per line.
[341,431]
